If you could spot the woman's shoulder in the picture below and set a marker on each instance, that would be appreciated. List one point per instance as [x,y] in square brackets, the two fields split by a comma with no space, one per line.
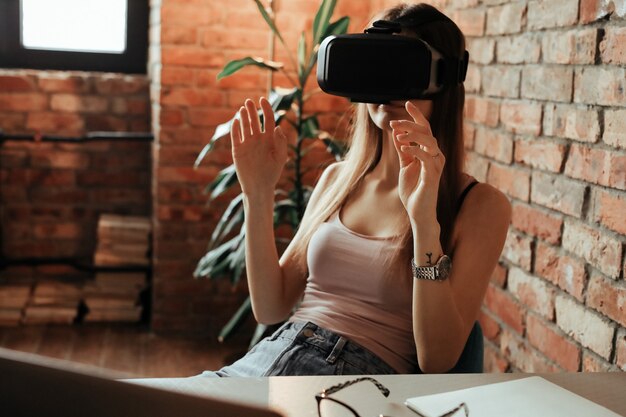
[330,172]
[485,204]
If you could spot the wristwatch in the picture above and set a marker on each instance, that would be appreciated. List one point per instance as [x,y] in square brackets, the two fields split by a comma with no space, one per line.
[438,272]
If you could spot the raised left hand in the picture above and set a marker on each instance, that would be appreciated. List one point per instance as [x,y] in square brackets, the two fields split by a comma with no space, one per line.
[421,165]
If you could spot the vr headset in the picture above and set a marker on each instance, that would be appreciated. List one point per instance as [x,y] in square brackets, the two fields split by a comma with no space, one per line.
[378,66]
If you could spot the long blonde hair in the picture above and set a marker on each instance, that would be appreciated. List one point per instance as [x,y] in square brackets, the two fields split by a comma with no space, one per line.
[365,146]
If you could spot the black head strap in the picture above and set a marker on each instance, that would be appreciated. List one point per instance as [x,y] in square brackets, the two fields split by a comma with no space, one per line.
[450,70]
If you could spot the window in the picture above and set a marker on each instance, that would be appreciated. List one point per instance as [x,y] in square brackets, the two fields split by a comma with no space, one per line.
[89,35]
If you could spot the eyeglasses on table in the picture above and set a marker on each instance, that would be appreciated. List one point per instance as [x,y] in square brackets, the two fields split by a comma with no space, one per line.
[332,407]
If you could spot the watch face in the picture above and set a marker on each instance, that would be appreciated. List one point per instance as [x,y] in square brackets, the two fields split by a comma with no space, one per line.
[443,266]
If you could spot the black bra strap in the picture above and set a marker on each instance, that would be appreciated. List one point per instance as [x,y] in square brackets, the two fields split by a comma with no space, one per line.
[464,194]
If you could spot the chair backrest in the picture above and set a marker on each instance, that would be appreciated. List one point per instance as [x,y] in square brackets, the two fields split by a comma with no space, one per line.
[471,359]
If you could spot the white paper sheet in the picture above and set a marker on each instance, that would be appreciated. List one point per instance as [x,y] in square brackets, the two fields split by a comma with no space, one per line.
[526,397]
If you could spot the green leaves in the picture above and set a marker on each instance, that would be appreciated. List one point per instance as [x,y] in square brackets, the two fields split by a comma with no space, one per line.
[322,19]
[269,21]
[237,64]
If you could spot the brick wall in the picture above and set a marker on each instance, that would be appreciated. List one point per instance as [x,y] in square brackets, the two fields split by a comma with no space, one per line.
[52,193]
[544,124]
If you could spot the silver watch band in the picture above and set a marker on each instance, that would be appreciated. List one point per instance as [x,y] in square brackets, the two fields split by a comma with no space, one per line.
[424,272]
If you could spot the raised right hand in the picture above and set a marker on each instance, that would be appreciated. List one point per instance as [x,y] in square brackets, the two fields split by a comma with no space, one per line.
[259,156]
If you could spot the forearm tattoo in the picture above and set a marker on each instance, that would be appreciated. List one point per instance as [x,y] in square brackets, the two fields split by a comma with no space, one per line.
[430,261]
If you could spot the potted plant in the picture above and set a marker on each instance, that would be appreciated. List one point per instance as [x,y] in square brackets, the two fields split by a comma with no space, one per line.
[226,251]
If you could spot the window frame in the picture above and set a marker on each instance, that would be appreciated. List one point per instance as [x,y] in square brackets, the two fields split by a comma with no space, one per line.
[132,61]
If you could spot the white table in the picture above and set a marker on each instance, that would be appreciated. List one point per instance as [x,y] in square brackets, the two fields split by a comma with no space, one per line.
[294,396]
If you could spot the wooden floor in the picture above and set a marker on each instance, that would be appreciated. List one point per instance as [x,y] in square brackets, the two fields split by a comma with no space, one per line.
[128,349]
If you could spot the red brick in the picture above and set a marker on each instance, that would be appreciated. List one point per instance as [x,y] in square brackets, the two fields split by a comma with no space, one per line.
[171,117]
[490,327]
[23,101]
[470,21]
[608,297]
[498,277]
[572,47]
[505,19]
[603,85]
[533,292]
[612,47]
[523,356]
[13,122]
[544,14]
[513,181]
[94,178]
[597,166]
[493,361]
[202,175]
[11,83]
[562,270]
[191,15]
[519,49]
[191,97]
[58,230]
[615,128]
[482,110]
[540,153]
[472,80]
[185,136]
[518,249]
[178,35]
[122,84]
[494,144]
[535,222]
[609,208]
[476,165]
[55,123]
[620,349]
[235,38]
[501,81]
[105,122]
[598,248]
[59,159]
[178,76]
[521,116]
[553,343]
[469,133]
[192,56]
[503,306]
[63,83]
[573,122]
[592,10]
[587,327]
[78,104]
[559,88]
[558,193]
[594,363]
[209,117]
[481,50]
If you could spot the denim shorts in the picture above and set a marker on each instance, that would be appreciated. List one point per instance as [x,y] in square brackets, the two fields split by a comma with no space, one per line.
[304,349]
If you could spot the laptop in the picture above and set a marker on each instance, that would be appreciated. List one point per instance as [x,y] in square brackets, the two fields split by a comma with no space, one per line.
[31,385]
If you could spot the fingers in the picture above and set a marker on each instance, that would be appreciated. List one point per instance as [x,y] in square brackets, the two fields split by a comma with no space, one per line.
[268,115]
[403,155]
[409,126]
[406,131]
[245,122]
[417,115]
[235,133]
[428,160]
[255,123]
[280,141]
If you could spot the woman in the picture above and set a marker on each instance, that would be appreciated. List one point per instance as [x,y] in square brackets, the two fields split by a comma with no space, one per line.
[392,205]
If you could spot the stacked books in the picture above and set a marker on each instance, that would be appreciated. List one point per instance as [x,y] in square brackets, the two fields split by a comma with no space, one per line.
[114,296]
[122,241]
[53,302]
[13,299]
